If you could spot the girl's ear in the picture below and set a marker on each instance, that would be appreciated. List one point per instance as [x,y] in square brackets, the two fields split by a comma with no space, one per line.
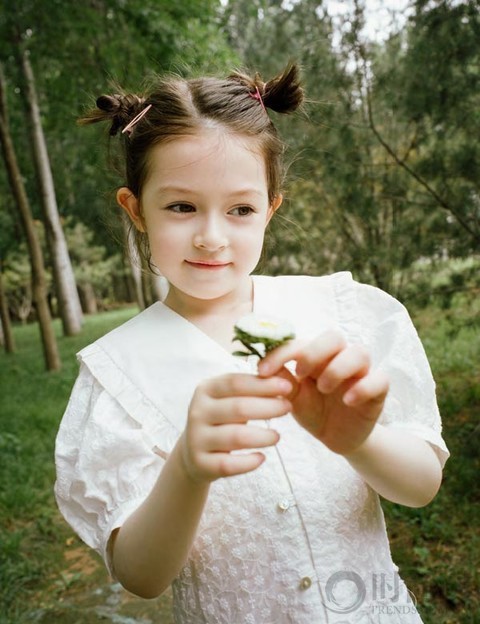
[127,200]
[274,206]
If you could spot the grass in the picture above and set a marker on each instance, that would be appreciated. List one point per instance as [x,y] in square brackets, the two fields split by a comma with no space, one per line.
[45,572]
[438,547]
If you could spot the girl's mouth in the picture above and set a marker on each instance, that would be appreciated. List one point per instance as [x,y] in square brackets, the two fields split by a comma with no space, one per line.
[208,265]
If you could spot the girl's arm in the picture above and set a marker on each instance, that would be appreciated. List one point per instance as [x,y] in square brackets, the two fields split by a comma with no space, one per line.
[338,398]
[398,465]
[148,551]
[151,547]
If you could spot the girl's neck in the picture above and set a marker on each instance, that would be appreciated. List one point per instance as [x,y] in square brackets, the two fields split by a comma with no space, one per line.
[233,305]
[216,317]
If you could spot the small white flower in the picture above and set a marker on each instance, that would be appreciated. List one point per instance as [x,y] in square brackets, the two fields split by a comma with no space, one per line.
[260,333]
[269,327]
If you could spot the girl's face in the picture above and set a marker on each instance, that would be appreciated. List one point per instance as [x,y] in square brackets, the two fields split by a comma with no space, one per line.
[204,206]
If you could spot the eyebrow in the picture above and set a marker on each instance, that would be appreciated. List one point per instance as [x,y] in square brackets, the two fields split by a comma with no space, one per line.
[181,190]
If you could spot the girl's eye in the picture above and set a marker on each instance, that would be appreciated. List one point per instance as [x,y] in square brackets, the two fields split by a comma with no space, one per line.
[242,211]
[181,208]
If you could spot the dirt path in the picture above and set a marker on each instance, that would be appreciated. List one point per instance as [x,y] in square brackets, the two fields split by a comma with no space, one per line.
[85,594]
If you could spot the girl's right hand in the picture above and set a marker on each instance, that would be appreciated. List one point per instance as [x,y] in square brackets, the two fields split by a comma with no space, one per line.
[217,424]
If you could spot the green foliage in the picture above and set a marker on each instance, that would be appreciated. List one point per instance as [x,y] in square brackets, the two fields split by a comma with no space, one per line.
[93,267]
[432,82]
[444,283]
[17,283]
[350,207]
[353,205]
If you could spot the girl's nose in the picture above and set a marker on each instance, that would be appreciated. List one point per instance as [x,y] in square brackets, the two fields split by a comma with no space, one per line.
[210,236]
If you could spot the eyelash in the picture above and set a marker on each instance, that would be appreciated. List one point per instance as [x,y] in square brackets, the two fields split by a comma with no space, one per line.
[172,208]
[249,208]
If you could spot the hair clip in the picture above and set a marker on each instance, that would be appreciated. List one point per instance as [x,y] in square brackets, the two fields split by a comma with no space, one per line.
[257,96]
[129,127]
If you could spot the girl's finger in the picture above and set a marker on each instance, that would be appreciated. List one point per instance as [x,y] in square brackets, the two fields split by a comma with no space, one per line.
[353,362]
[319,352]
[274,361]
[310,356]
[373,388]
[242,409]
[238,384]
[235,437]
[228,465]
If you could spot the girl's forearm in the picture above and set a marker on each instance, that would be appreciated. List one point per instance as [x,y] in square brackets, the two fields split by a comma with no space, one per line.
[398,465]
[153,544]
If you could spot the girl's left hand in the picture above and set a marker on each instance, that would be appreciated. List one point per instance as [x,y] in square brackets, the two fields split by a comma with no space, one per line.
[337,396]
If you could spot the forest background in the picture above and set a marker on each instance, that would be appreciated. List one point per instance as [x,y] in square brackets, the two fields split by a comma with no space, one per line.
[383,181]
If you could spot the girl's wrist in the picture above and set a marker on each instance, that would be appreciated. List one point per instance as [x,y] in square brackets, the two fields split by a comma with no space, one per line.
[180,456]
[364,450]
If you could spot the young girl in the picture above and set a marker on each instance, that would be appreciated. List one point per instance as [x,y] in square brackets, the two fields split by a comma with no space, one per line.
[254,491]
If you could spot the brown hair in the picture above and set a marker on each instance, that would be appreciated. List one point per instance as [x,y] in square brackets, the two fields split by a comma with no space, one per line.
[180,107]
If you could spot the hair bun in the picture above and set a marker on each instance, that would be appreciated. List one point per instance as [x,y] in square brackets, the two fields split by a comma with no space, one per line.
[109,103]
[120,109]
[283,93]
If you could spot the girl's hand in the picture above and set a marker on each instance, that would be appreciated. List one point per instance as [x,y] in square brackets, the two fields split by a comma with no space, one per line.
[217,424]
[337,396]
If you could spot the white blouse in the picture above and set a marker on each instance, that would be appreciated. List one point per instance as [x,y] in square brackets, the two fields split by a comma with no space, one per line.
[300,540]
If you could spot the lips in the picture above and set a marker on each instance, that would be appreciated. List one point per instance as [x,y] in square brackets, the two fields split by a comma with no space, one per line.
[207,264]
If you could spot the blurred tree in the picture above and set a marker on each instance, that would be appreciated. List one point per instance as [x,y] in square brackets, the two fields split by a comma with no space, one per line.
[6,333]
[17,34]
[426,80]
[18,281]
[348,206]
[52,358]
[385,172]
[7,238]
[65,285]
[437,90]
[93,268]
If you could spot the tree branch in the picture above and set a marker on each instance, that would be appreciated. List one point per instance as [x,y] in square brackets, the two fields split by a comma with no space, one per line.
[445,205]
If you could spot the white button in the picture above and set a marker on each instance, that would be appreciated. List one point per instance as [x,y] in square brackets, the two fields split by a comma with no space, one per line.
[284,504]
[306,582]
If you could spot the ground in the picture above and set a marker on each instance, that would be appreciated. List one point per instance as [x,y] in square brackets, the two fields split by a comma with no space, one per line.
[85,594]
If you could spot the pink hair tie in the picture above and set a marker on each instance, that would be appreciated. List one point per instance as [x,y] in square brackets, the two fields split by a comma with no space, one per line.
[129,127]
[257,96]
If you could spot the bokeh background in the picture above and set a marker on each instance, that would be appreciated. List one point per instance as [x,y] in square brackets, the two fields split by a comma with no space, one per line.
[383,180]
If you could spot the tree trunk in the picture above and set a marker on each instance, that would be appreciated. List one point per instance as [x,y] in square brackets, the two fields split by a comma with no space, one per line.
[39,284]
[88,298]
[68,299]
[6,326]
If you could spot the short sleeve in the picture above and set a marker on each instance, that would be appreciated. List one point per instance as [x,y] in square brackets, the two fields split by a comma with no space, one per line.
[106,462]
[385,326]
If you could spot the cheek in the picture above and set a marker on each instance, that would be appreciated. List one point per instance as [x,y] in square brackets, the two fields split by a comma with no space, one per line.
[251,243]
[164,243]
